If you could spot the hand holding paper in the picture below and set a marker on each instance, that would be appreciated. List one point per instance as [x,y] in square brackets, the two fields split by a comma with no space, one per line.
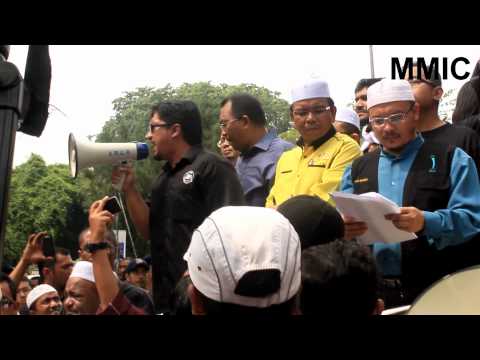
[371,208]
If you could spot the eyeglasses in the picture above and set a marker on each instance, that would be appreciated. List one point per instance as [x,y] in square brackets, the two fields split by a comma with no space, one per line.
[393,119]
[224,124]
[151,127]
[316,112]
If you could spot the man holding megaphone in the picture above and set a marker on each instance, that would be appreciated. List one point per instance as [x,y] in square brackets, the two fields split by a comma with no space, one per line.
[192,184]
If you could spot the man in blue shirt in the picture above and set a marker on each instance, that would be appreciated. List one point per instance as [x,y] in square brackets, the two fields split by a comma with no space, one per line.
[243,122]
[436,186]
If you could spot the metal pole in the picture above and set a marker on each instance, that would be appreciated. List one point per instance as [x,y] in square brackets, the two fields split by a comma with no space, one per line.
[372,70]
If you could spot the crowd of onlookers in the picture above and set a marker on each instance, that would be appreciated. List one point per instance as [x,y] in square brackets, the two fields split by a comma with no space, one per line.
[259,233]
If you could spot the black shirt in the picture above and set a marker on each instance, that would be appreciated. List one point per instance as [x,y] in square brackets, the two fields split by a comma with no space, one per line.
[181,199]
[459,136]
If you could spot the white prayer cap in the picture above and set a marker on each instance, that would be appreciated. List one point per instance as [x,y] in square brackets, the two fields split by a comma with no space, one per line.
[347,115]
[38,291]
[245,255]
[83,270]
[310,89]
[386,91]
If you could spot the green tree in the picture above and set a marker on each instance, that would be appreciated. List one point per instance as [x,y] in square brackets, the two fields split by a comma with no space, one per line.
[43,198]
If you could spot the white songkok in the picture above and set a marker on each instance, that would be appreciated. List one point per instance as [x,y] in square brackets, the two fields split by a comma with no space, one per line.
[38,291]
[83,270]
[347,115]
[310,89]
[386,91]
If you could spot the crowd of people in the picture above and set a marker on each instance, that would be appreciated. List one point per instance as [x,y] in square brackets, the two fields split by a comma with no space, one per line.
[255,230]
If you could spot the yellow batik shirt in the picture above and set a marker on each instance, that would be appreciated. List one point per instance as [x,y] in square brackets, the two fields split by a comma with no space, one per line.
[313,170]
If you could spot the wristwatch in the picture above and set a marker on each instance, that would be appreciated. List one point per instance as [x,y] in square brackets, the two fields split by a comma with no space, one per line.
[92,247]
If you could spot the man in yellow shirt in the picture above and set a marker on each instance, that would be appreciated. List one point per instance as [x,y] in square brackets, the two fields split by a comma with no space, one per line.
[314,167]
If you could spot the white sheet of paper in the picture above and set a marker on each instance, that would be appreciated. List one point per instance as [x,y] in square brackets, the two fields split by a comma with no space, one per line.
[371,208]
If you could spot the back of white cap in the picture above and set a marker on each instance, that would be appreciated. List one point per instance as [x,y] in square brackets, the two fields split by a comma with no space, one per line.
[237,241]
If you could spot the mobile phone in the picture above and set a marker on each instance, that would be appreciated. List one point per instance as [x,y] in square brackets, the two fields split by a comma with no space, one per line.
[48,246]
[112,205]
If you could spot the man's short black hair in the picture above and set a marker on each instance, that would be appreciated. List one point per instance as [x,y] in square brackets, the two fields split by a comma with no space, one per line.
[315,220]
[340,277]
[366,83]
[185,113]
[435,79]
[50,263]
[13,289]
[246,104]
[179,300]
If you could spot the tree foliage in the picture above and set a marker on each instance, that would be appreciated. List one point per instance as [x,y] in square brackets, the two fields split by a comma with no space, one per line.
[43,198]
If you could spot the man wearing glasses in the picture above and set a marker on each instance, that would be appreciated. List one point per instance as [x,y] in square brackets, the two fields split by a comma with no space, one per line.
[191,185]
[244,125]
[436,185]
[314,167]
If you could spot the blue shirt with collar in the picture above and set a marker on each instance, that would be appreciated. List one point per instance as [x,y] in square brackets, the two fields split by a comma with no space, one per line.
[256,167]
[459,222]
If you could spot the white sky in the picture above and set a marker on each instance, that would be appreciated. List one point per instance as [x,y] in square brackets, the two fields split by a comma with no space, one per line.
[86,79]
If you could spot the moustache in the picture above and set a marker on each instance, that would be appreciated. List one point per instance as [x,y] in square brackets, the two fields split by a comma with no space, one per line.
[311,126]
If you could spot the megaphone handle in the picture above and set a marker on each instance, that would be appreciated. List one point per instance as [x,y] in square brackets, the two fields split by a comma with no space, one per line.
[118,186]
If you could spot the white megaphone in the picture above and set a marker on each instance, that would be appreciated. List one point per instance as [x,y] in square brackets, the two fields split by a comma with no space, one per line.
[86,154]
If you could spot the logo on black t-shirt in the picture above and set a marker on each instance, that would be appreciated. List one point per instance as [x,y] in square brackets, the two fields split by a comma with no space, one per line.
[188,177]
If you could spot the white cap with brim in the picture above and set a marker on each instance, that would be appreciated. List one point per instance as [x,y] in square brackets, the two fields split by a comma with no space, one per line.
[349,116]
[83,270]
[234,245]
[38,291]
[310,89]
[387,90]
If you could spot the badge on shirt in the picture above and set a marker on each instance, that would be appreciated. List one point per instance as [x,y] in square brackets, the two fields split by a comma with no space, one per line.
[188,177]
[312,163]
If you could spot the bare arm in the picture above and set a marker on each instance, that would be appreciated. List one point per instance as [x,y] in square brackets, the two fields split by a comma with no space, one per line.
[31,254]
[105,281]
[137,208]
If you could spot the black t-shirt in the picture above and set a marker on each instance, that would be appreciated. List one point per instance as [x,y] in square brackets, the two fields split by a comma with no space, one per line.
[181,199]
[459,136]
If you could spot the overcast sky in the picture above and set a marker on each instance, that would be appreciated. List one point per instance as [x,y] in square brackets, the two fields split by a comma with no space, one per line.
[86,79]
